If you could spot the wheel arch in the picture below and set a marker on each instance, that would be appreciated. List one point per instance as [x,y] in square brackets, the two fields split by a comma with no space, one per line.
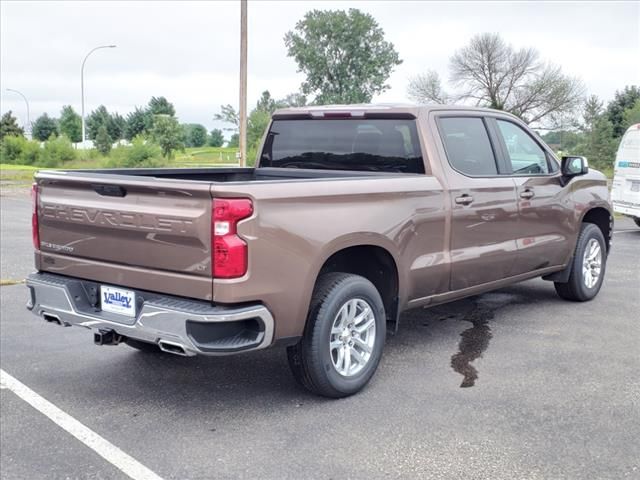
[371,260]
[603,219]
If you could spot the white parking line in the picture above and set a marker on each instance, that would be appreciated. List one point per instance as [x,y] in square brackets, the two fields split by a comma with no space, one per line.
[129,465]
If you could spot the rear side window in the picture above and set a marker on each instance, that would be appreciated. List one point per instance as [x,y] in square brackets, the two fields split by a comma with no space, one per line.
[384,145]
[526,156]
[467,145]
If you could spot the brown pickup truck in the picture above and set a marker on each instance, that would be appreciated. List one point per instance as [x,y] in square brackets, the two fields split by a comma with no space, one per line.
[353,215]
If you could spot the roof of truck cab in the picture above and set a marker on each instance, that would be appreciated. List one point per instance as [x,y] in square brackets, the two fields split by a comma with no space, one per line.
[379,108]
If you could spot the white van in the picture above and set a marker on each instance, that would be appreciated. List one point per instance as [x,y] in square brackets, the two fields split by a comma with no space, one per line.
[625,192]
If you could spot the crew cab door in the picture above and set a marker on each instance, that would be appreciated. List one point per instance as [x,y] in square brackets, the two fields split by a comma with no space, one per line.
[545,209]
[484,215]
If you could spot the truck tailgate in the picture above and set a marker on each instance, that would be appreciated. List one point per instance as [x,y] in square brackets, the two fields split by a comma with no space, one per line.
[120,229]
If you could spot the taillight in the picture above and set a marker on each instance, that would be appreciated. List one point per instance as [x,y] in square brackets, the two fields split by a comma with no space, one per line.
[229,251]
[35,230]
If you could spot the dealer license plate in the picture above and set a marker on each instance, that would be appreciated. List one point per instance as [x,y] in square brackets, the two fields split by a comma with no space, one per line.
[118,300]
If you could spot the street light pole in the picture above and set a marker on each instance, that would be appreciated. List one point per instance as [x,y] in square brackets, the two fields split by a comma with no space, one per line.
[82,86]
[243,83]
[27,103]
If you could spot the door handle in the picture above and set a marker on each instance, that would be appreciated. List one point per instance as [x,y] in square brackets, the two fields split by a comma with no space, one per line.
[464,199]
[527,194]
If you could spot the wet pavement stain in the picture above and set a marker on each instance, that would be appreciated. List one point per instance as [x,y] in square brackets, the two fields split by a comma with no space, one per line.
[474,342]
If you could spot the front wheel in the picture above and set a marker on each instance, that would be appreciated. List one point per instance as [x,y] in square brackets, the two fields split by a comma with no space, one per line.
[587,269]
[344,336]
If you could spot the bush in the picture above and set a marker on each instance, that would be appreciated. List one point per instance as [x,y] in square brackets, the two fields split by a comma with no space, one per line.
[19,151]
[57,151]
[12,148]
[31,154]
[140,154]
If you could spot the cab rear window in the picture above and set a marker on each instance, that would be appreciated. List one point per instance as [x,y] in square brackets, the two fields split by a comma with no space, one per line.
[383,145]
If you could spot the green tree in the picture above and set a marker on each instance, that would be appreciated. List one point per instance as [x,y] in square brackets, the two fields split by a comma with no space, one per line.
[266,103]
[631,115]
[563,140]
[256,125]
[136,124]
[234,141]
[592,110]
[44,127]
[294,100]
[259,118]
[622,101]
[9,126]
[161,106]
[167,134]
[116,127]
[96,119]
[598,144]
[343,54]
[195,134]
[70,124]
[102,140]
[216,138]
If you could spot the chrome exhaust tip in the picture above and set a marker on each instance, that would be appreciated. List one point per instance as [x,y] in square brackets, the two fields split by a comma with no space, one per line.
[171,347]
[52,319]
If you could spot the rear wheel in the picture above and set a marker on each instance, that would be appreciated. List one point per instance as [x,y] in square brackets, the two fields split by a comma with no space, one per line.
[343,341]
[143,346]
[588,267]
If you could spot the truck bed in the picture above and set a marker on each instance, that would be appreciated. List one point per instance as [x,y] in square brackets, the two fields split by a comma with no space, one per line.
[227,175]
[149,228]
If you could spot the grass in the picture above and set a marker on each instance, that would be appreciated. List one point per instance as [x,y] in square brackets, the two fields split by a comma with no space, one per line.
[9,166]
[17,173]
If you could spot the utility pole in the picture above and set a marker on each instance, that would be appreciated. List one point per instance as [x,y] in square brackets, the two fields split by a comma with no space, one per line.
[243,83]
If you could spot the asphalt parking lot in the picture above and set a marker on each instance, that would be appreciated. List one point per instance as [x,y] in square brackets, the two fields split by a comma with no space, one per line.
[513,384]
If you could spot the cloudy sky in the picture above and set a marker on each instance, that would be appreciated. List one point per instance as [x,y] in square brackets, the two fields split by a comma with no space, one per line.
[188,51]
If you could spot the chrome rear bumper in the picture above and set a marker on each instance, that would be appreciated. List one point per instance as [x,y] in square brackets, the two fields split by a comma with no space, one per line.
[186,327]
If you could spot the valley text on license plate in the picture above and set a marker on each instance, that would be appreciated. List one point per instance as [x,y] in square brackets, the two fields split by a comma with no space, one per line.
[118,300]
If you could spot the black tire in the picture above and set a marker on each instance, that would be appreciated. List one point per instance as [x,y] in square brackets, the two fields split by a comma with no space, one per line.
[637,220]
[311,359]
[575,289]
[143,346]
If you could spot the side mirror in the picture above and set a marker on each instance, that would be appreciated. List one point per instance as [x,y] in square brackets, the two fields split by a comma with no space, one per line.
[573,166]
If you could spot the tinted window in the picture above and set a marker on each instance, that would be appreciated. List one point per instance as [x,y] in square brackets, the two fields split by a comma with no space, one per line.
[386,145]
[526,156]
[468,147]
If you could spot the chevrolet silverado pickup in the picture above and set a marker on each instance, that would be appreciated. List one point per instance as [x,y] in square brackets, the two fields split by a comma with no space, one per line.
[352,215]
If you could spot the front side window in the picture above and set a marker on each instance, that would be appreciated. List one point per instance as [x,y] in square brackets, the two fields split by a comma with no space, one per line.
[525,155]
[468,146]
